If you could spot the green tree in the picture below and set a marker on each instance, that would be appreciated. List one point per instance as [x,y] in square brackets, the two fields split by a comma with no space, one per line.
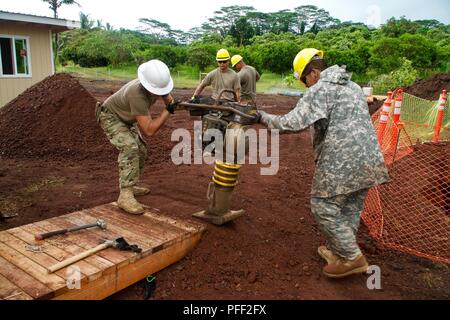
[224,18]
[54,5]
[85,22]
[276,56]
[202,55]
[421,51]
[403,76]
[314,19]
[171,55]
[396,27]
[385,55]
[260,22]
[242,31]
[282,21]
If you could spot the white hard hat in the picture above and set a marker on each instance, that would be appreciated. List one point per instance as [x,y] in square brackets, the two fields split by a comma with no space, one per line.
[154,75]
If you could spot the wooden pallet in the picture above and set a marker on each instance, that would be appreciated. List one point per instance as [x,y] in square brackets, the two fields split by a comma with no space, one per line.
[23,269]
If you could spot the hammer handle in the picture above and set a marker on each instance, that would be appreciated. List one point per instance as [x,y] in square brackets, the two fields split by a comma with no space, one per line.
[77,257]
[217,108]
[43,236]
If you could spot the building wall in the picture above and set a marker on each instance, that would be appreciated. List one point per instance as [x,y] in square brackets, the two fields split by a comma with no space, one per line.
[41,59]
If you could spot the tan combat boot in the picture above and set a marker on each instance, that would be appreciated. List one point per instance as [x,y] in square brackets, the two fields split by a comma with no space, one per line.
[128,203]
[326,254]
[342,268]
[140,191]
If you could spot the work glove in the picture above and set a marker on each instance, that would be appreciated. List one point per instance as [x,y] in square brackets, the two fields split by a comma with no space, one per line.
[194,99]
[172,105]
[257,117]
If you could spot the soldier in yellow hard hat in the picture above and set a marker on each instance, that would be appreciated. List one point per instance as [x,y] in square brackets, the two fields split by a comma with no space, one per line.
[248,76]
[347,156]
[221,78]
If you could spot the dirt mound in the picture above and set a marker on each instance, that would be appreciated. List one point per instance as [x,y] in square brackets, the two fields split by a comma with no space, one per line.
[55,120]
[52,119]
[430,88]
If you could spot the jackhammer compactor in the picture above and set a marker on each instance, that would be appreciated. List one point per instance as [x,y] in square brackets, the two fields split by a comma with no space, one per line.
[232,119]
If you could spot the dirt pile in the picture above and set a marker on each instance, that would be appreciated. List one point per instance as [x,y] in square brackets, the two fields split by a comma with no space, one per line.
[55,120]
[430,88]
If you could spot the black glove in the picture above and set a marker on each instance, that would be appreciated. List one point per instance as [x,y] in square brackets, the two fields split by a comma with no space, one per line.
[172,105]
[194,99]
[257,117]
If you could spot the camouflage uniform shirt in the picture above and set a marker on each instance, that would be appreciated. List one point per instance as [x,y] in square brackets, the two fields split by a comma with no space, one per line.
[347,154]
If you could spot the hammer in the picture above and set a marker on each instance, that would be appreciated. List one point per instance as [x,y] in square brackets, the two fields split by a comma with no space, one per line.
[99,223]
[119,243]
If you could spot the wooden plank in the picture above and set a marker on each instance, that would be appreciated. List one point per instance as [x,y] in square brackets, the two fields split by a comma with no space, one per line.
[151,238]
[23,280]
[40,258]
[145,226]
[95,290]
[112,231]
[151,228]
[157,224]
[9,291]
[86,241]
[182,224]
[86,269]
[104,265]
[111,235]
[164,241]
[132,273]
[54,282]
[130,231]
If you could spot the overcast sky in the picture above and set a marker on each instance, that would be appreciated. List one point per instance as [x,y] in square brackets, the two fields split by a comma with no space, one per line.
[185,14]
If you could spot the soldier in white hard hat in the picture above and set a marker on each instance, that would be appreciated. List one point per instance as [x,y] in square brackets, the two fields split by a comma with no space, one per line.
[125,114]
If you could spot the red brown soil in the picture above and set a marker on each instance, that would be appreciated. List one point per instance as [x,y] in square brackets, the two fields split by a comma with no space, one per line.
[270,253]
[429,89]
[416,207]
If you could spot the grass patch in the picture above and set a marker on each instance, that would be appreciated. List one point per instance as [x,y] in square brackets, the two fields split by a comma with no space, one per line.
[10,204]
[109,73]
[44,184]
[184,77]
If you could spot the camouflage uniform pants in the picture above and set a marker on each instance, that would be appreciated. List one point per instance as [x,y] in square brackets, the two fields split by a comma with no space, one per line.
[128,140]
[339,218]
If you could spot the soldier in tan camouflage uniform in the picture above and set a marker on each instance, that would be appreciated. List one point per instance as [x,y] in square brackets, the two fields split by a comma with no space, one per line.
[220,78]
[248,76]
[347,156]
[124,115]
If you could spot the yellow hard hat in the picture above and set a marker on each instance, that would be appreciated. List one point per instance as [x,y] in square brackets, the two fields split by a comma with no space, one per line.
[235,60]
[303,58]
[222,55]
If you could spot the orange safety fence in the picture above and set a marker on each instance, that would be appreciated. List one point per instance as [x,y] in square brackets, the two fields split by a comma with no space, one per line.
[411,213]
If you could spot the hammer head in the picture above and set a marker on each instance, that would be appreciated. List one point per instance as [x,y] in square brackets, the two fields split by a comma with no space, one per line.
[101,223]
